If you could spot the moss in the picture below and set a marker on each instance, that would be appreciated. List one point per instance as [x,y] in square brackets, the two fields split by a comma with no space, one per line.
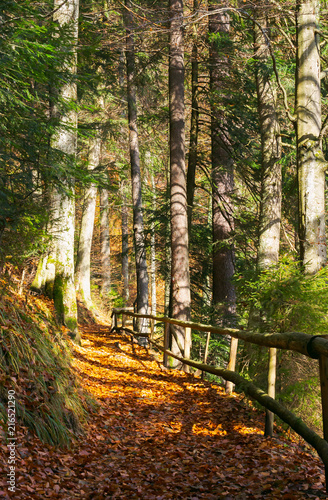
[65,305]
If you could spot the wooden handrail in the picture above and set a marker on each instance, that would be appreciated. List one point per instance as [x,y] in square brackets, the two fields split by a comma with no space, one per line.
[309,345]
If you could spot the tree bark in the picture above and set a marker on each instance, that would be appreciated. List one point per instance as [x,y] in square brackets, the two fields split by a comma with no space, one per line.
[45,275]
[138,227]
[224,294]
[65,141]
[194,128]
[125,247]
[271,188]
[105,243]
[310,160]
[180,280]
[270,212]
[153,254]
[82,272]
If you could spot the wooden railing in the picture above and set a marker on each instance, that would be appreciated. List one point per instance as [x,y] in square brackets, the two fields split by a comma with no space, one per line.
[313,346]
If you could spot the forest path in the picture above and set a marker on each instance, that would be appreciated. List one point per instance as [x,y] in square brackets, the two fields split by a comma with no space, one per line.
[160,434]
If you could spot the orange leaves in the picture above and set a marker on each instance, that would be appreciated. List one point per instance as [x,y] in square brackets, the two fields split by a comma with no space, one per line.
[161,435]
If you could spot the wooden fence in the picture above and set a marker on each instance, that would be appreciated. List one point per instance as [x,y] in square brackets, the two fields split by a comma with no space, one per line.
[313,346]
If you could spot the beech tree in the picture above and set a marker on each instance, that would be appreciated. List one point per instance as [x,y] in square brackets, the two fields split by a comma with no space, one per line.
[270,210]
[65,141]
[138,226]
[105,242]
[224,294]
[125,245]
[311,163]
[56,269]
[180,280]
[82,272]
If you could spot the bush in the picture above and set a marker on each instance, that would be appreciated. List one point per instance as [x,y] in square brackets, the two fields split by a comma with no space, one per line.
[283,299]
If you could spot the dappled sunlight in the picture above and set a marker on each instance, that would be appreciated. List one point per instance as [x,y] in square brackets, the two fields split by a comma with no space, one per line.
[210,430]
[162,434]
[168,427]
[242,429]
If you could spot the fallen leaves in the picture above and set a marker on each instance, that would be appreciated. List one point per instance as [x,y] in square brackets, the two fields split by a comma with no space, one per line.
[160,435]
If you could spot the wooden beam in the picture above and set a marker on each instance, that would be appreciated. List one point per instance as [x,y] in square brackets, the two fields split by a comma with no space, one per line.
[166,343]
[293,341]
[208,336]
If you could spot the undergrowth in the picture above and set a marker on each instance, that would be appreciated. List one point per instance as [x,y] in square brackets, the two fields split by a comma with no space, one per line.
[35,362]
[283,299]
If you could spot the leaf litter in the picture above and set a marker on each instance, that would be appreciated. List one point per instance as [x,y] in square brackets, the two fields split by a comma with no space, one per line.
[158,434]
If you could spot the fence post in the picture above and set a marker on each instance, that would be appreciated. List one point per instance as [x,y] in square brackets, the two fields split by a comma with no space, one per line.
[206,349]
[232,363]
[269,416]
[323,370]
[166,343]
[114,325]
[152,323]
[123,320]
[187,344]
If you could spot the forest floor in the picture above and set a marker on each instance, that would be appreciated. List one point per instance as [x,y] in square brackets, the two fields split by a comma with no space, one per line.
[160,434]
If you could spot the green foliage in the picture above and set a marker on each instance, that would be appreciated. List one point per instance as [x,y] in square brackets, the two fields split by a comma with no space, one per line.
[287,299]
[218,353]
[33,50]
[303,395]
[35,362]
[283,299]
[116,299]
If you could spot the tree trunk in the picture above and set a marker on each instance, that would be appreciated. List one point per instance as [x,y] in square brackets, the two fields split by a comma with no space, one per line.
[125,247]
[310,160]
[65,141]
[153,254]
[270,213]
[224,294]
[45,275]
[194,126]
[82,273]
[64,288]
[105,243]
[180,280]
[138,228]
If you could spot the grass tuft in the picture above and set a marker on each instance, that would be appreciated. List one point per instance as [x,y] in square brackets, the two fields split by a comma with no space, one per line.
[35,362]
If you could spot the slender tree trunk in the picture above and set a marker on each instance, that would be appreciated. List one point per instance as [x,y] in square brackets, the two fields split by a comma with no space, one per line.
[180,280]
[105,243]
[65,141]
[125,247]
[194,126]
[167,249]
[138,227]
[270,213]
[153,254]
[224,295]
[310,160]
[82,273]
